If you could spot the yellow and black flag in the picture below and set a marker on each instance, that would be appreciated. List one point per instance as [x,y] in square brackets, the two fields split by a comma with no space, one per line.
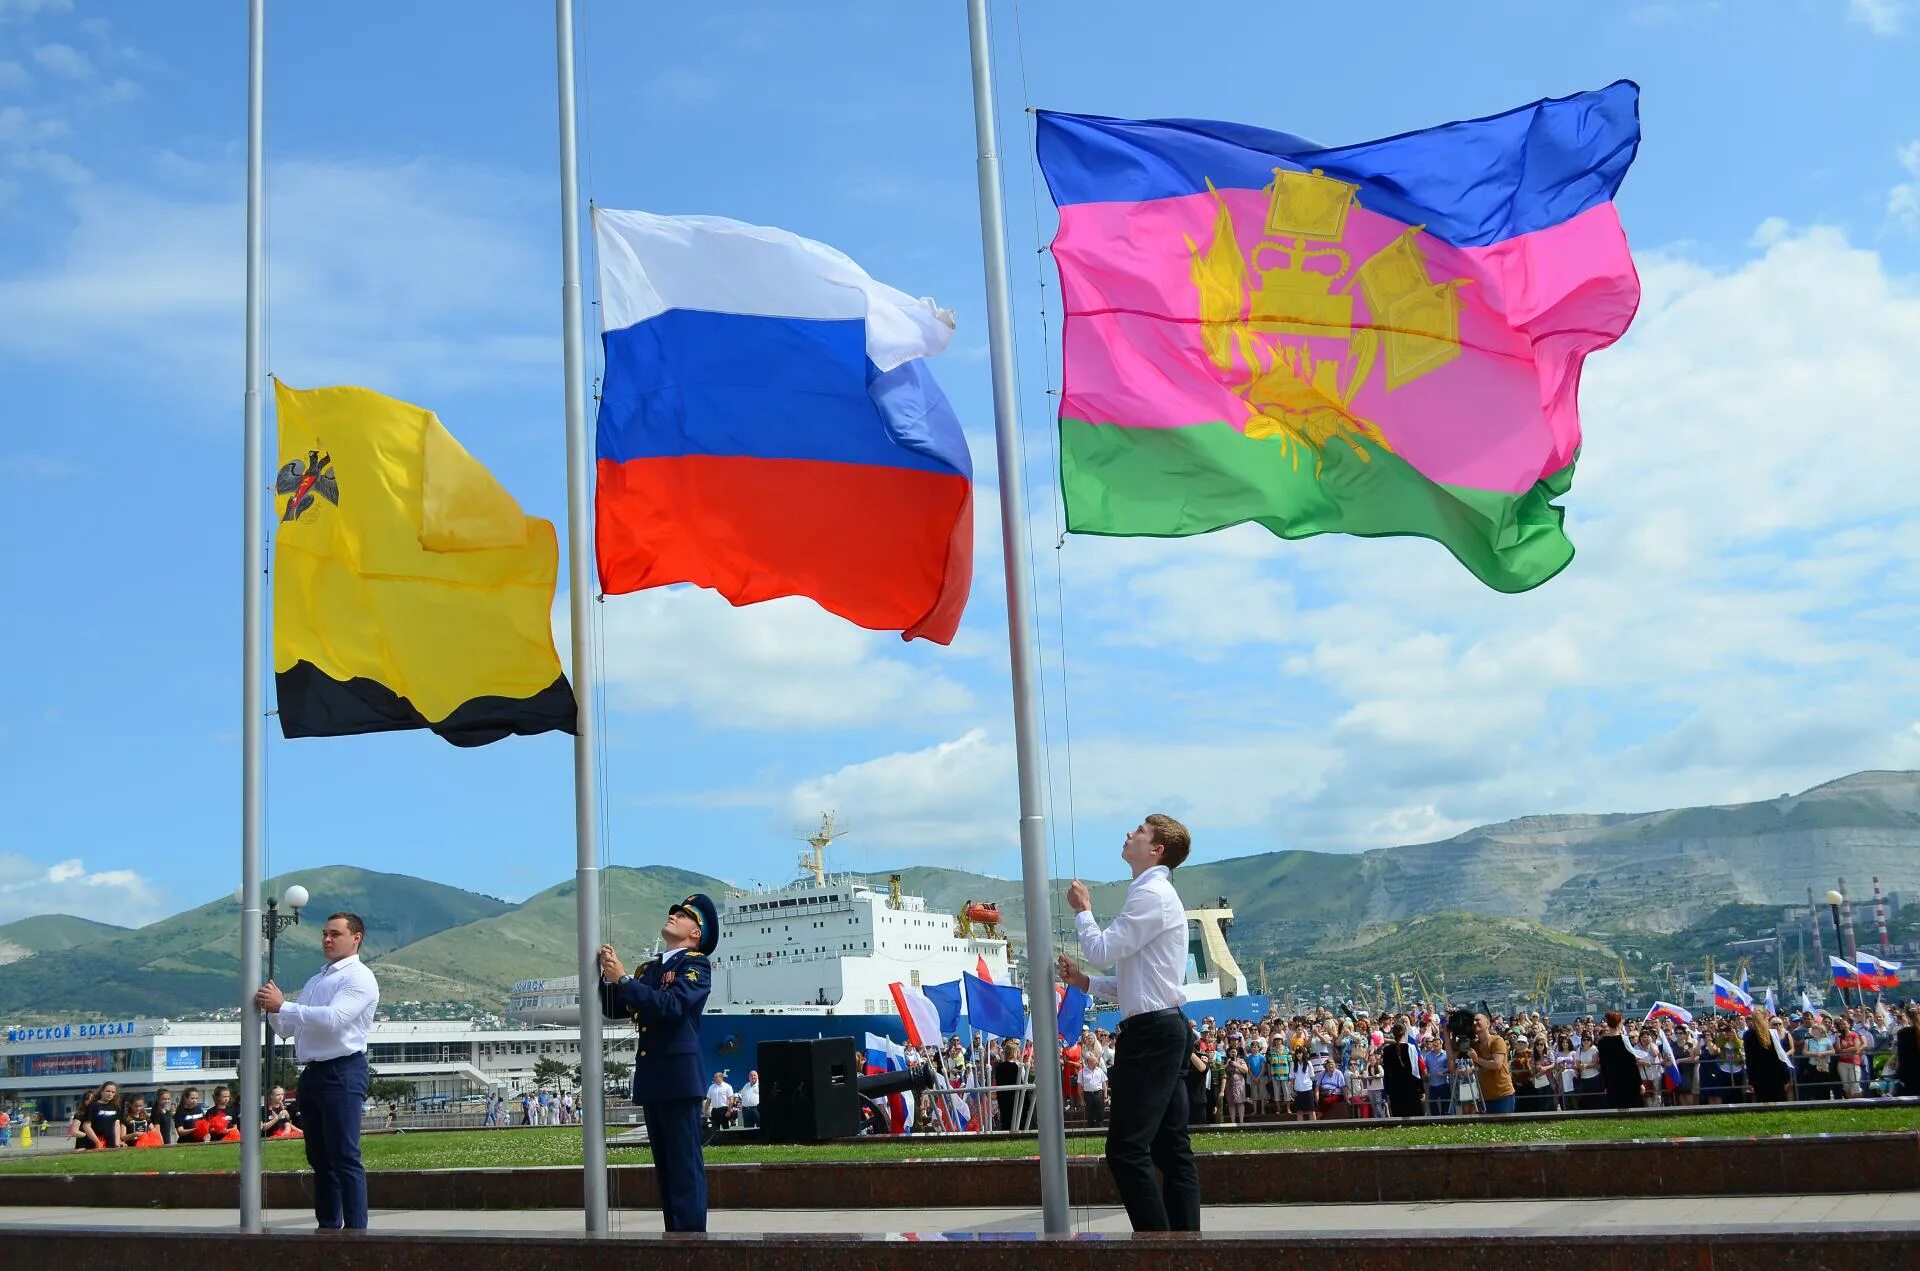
[409,589]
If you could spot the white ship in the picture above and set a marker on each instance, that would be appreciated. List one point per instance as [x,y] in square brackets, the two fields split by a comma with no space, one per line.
[816,957]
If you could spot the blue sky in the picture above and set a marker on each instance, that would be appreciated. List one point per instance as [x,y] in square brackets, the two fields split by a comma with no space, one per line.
[1738,621]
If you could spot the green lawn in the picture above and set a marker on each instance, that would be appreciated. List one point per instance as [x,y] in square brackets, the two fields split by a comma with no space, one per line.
[561,1146]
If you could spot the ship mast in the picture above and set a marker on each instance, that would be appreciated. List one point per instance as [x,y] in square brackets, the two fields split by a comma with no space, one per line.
[814,860]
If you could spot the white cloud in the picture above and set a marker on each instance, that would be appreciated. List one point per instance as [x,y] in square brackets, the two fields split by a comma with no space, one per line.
[1903,200]
[782,664]
[1882,17]
[957,800]
[20,126]
[20,10]
[28,888]
[63,59]
[952,800]
[414,274]
[684,86]
[60,168]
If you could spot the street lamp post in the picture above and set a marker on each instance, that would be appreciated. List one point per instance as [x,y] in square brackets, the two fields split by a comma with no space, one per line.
[1833,903]
[272,923]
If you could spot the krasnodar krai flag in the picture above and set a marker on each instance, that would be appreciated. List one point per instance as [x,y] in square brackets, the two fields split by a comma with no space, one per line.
[768,427]
[1382,338]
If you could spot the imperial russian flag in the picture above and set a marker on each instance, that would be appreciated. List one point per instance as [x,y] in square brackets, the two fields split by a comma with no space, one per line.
[1375,339]
[768,427]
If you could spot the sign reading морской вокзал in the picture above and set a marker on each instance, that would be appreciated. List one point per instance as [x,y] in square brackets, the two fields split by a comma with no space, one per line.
[91,1031]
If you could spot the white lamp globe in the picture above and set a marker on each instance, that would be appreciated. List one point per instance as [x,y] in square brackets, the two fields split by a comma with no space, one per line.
[1834,898]
[296,897]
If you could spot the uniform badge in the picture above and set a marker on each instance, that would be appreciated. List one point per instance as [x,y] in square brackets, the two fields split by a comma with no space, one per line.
[693,977]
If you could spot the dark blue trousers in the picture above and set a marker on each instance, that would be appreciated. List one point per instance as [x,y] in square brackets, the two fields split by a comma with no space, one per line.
[679,1169]
[332,1094]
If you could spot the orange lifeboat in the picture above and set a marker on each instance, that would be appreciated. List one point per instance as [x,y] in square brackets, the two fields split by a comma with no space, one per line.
[983,913]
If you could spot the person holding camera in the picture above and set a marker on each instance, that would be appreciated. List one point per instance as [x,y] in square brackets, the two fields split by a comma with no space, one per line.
[1489,1055]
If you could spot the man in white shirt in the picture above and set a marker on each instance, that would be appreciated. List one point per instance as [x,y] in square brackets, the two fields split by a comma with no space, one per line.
[750,1102]
[1147,947]
[329,1027]
[1093,1085]
[720,1101]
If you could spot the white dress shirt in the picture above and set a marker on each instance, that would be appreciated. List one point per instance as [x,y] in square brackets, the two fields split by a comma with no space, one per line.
[333,1014]
[1146,946]
[750,1095]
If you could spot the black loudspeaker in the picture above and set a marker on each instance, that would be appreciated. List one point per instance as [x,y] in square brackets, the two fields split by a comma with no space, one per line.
[808,1091]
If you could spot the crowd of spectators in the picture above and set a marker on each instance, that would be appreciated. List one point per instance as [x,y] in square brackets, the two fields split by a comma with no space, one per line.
[1330,1064]
[1334,1064]
[105,1119]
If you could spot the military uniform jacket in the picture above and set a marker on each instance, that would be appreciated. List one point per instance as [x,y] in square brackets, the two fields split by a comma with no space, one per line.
[664,1003]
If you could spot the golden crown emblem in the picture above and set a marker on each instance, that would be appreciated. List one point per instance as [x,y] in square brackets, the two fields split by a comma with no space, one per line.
[1302,291]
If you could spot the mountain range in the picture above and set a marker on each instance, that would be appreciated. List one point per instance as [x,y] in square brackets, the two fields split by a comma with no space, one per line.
[1580,894]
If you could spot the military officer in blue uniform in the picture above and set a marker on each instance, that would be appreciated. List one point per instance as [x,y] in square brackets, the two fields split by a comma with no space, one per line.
[664,1000]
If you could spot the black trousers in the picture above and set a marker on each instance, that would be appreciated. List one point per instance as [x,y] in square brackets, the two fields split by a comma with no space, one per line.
[1148,1129]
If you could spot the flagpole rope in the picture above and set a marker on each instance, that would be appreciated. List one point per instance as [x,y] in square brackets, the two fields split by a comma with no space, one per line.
[271,522]
[1052,431]
[1086,1174]
[1046,714]
[597,633]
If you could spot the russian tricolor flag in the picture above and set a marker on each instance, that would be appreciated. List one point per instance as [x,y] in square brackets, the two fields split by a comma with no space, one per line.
[1728,996]
[768,427]
[1878,973]
[885,1055]
[919,1014]
[1845,974]
[1667,1010]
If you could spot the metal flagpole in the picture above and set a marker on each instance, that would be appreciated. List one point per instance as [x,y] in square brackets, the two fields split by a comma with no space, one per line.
[1050,1115]
[580,591]
[253,628]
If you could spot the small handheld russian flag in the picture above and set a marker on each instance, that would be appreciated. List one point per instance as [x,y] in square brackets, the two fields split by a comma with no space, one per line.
[1845,974]
[1728,996]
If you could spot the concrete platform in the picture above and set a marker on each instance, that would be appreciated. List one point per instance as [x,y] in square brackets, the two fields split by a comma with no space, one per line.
[1787,1164]
[1885,1212]
[1845,1233]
